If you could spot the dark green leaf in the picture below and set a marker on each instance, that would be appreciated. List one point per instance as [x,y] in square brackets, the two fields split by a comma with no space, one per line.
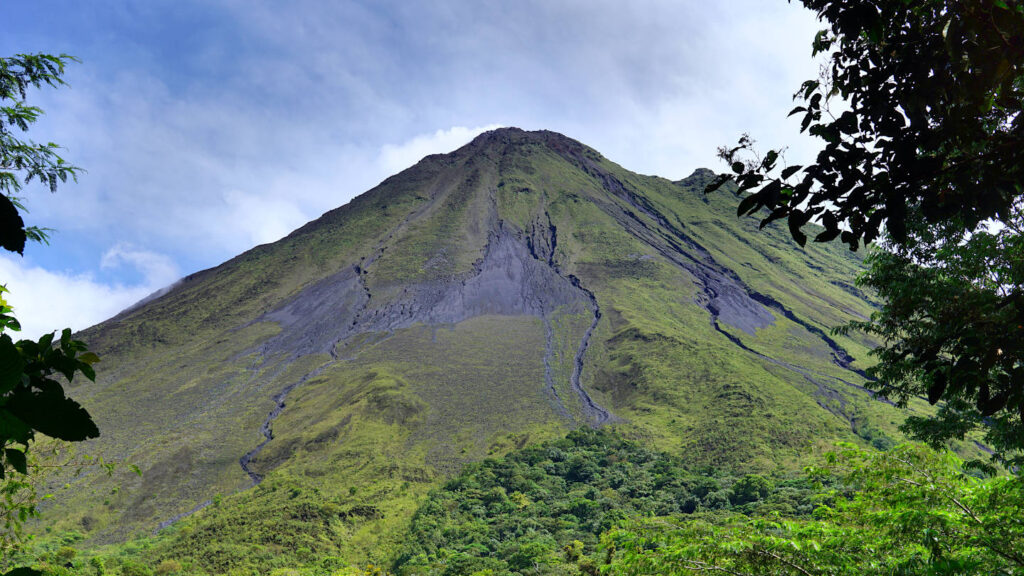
[796,221]
[805,122]
[748,205]
[827,235]
[13,429]
[46,341]
[88,372]
[776,214]
[53,414]
[11,365]
[717,183]
[12,227]
[937,388]
[790,170]
[769,195]
[16,459]
[23,571]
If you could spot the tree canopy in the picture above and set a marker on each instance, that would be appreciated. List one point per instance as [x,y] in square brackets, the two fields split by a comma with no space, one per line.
[919,109]
[32,399]
[22,161]
[910,510]
[934,91]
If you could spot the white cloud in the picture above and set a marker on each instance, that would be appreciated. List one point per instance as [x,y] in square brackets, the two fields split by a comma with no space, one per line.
[246,148]
[259,219]
[46,300]
[156,269]
[209,147]
[395,158]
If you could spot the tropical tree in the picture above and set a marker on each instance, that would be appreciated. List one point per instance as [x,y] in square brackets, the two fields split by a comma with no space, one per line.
[919,111]
[910,510]
[951,321]
[32,399]
[23,161]
[931,92]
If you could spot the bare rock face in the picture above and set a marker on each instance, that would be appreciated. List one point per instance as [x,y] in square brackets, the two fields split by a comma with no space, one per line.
[319,316]
[508,281]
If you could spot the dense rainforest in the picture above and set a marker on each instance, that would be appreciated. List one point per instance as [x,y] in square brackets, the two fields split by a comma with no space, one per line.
[595,502]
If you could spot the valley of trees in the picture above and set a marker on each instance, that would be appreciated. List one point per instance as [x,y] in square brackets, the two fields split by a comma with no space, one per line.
[924,158]
[596,503]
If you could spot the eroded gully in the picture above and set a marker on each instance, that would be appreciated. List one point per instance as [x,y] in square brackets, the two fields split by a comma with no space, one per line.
[713,279]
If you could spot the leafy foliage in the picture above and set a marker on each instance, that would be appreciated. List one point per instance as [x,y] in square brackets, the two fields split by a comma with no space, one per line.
[953,329]
[596,503]
[929,152]
[542,509]
[23,161]
[935,91]
[907,511]
[32,399]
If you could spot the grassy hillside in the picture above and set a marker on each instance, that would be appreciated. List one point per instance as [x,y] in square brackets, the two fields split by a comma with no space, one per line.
[504,294]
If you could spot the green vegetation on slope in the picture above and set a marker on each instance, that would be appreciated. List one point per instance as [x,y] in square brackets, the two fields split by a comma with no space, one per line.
[541,510]
[908,510]
[596,502]
[385,402]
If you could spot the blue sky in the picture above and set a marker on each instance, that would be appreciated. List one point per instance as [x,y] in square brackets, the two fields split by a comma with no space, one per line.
[207,128]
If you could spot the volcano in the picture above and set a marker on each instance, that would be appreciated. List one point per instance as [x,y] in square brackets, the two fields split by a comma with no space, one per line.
[505,293]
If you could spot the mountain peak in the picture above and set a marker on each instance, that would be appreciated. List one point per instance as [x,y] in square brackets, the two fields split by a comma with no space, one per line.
[503,293]
[512,136]
[700,178]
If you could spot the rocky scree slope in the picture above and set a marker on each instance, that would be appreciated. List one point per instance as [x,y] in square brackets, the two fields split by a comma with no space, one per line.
[518,287]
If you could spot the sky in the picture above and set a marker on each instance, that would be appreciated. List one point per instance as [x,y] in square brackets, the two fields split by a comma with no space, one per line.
[208,127]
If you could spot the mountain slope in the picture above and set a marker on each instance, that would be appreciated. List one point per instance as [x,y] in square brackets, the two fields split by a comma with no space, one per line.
[516,288]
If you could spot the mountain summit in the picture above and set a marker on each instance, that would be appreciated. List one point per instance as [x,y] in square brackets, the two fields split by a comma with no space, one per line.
[501,294]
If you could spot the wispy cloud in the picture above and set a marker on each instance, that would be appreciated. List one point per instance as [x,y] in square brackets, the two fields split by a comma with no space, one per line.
[258,219]
[397,157]
[156,269]
[46,300]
